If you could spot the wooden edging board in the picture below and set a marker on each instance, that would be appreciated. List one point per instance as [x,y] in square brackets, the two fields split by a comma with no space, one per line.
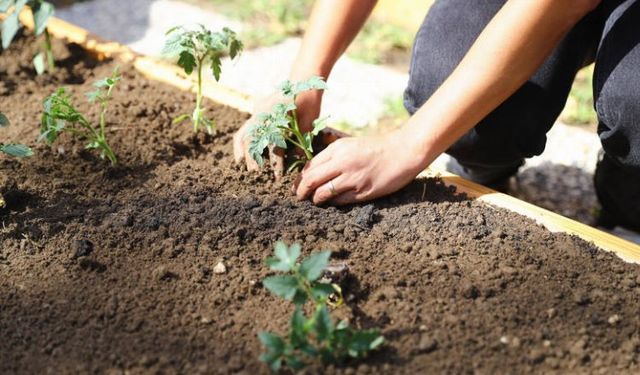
[167,73]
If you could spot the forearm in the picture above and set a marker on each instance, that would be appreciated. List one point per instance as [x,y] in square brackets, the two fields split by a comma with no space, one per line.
[332,27]
[510,49]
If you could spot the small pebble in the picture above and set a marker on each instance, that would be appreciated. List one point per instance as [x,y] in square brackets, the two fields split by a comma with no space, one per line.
[220,268]
[614,319]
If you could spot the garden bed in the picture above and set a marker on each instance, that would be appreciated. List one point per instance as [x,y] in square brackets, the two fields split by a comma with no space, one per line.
[112,268]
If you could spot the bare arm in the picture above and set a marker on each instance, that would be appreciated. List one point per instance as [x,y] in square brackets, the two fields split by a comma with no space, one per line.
[332,27]
[510,49]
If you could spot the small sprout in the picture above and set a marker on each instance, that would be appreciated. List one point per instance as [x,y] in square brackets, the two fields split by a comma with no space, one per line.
[60,115]
[281,125]
[316,335]
[42,11]
[12,149]
[198,50]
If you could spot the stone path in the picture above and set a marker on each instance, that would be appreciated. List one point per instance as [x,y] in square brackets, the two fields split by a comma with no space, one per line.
[560,179]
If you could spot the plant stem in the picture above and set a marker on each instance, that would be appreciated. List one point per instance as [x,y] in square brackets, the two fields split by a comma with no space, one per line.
[196,122]
[295,129]
[48,52]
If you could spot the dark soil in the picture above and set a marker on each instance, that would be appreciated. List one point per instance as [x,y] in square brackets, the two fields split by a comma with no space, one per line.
[110,269]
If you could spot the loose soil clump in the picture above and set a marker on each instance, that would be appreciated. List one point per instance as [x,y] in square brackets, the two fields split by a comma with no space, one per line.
[154,265]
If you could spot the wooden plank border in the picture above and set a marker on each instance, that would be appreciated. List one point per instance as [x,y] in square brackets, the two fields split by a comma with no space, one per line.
[167,73]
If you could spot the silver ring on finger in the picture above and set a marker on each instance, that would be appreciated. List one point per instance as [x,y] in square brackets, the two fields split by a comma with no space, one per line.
[332,188]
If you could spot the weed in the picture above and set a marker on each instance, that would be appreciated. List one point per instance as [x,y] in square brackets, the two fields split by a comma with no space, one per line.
[42,12]
[281,124]
[314,336]
[195,50]
[60,115]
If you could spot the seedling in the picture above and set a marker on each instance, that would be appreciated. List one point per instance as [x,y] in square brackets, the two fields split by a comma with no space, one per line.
[61,116]
[42,12]
[281,125]
[314,336]
[12,149]
[196,50]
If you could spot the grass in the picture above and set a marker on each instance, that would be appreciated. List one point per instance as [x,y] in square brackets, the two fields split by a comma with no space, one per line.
[579,108]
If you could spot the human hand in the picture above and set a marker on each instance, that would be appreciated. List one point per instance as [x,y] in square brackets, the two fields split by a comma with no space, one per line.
[359,169]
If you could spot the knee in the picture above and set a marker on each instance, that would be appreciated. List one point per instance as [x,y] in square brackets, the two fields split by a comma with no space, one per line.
[619,116]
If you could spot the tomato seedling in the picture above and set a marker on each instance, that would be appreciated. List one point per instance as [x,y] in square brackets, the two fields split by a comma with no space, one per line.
[314,336]
[61,116]
[12,149]
[281,124]
[42,12]
[196,50]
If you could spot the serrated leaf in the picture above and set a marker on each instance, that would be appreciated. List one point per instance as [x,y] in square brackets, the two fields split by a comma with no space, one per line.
[298,336]
[295,362]
[5,5]
[38,63]
[41,15]
[319,124]
[187,62]
[16,150]
[312,267]
[273,342]
[10,27]
[287,254]
[4,121]
[321,292]
[323,325]
[216,67]
[362,342]
[282,285]
[300,298]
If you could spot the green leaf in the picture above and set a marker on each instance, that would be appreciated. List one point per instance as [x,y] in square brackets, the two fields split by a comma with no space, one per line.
[15,150]
[38,63]
[216,67]
[41,15]
[5,5]
[295,362]
[180,119]
[321,291]
[10,27]
[273,342]
[323,325]
[187,62]
[282,285]
[4,121]
[300,298]
[362,342]
[318,125]
[285,257]
[171,30]
[312,267]
[275,349]
[298,335]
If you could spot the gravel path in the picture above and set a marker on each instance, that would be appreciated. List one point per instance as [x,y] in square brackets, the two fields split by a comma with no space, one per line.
[560,179]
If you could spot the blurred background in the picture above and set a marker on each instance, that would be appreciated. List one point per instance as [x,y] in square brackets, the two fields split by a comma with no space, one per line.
[365,89]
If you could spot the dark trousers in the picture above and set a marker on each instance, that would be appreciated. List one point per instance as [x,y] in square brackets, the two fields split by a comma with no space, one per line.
[497,146]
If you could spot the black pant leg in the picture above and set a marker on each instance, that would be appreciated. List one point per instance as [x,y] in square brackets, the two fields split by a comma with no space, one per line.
[517,129]
[617,102]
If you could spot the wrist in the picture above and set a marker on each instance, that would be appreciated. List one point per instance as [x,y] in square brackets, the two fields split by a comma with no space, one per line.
[418,151]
